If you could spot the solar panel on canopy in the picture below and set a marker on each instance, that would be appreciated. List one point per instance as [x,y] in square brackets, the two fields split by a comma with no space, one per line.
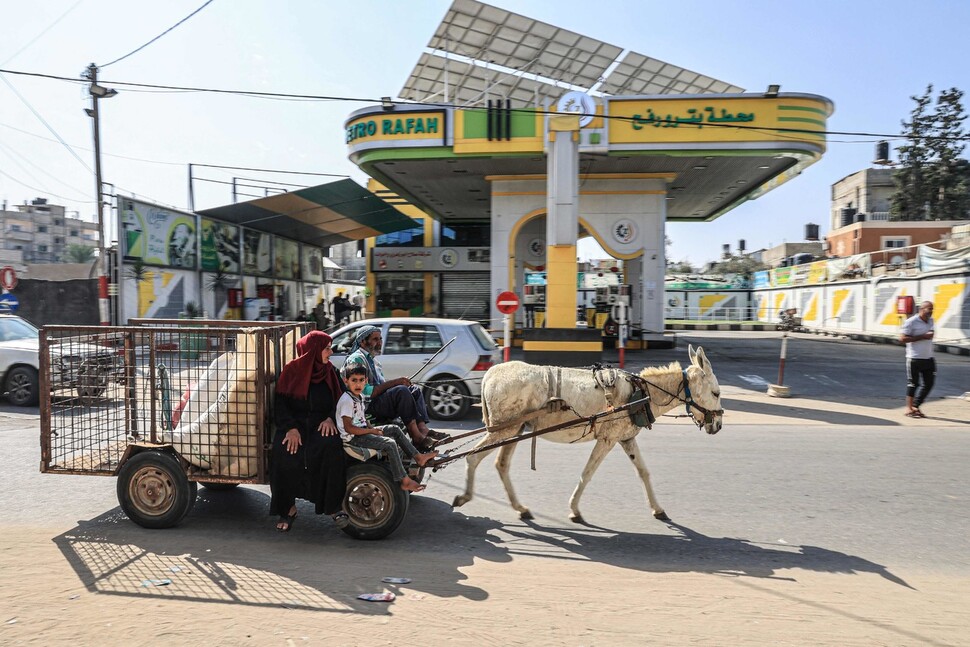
[526,60]
[639,74]
[468,84]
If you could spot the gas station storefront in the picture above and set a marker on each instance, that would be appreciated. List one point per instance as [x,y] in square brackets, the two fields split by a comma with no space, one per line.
[618,170]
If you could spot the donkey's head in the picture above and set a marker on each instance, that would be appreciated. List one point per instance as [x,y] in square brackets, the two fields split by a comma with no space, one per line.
[704,399]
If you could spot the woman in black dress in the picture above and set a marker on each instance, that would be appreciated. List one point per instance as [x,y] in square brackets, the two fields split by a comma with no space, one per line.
[307,460]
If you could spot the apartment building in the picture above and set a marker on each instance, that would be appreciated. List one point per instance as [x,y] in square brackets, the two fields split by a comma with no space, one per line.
[41,232]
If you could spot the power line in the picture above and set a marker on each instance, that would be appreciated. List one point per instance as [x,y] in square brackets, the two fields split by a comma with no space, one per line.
[134,51]
[34,188]
[47,29]
[43,121]
[270,170]
[531,111]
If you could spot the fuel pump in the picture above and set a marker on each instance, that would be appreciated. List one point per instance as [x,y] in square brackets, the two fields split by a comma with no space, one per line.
[534,300]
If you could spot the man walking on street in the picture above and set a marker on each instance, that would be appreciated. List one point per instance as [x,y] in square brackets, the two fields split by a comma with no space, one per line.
[917,334]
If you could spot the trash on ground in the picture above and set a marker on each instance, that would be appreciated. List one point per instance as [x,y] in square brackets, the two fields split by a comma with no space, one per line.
[175,569]
[396,580]
[161,582]
[377,597]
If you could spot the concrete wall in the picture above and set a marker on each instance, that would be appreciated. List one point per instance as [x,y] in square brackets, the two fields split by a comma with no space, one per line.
[851,307]
[58,302]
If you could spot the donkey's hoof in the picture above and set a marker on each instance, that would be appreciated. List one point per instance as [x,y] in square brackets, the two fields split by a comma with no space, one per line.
[460,500]
[525,515]
[577,518]
[661,516]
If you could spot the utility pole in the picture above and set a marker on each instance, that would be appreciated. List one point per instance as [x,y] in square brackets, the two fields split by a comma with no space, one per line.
[98,92]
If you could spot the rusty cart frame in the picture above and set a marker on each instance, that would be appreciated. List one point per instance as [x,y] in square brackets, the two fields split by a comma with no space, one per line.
[182,403]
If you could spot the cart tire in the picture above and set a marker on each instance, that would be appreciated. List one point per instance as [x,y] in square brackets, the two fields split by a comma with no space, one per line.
[447,399]
[154,491]
[218,487]
[193,495]
[375,503]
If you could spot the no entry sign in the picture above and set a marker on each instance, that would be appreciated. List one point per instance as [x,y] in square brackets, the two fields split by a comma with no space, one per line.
[8,278]
[507,303]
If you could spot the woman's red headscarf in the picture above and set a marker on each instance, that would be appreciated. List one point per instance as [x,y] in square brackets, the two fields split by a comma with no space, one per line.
[295,379]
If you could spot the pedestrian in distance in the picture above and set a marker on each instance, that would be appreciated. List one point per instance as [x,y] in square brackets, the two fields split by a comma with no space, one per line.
[917,334]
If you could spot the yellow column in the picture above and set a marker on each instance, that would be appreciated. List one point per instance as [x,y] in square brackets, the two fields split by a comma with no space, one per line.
[561,286]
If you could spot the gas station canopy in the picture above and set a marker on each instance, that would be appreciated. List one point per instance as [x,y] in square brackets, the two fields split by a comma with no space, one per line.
[324,215]
[490,80]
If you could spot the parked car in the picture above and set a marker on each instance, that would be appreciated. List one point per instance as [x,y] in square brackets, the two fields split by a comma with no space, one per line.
[74,365]
[453,380]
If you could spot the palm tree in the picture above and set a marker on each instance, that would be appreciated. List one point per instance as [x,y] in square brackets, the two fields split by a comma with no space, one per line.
[76,253]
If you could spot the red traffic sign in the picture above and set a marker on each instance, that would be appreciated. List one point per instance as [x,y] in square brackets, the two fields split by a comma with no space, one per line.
[507,303]
[8,278]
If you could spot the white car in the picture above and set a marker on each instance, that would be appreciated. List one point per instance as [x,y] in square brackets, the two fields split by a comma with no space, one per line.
[74,364]
[452,380]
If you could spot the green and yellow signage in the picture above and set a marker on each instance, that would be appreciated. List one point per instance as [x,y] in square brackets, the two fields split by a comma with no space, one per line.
[427,128]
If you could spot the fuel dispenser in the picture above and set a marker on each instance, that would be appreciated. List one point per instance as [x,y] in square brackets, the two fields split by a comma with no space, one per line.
[534,300]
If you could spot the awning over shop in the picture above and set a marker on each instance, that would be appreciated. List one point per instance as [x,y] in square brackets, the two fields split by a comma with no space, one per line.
[324,215]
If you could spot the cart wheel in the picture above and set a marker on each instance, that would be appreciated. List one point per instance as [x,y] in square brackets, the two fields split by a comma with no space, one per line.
[447,400]
[376,504]
[218,487]
[153,490]
[91,382]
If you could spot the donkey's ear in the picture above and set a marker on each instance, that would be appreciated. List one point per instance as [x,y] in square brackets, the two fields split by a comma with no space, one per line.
[690,353]
[700,359]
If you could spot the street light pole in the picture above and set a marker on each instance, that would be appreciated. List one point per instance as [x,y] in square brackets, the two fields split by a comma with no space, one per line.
[98,92]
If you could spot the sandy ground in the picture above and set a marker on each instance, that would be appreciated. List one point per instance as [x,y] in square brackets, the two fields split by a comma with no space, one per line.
[489,581]
[82,588]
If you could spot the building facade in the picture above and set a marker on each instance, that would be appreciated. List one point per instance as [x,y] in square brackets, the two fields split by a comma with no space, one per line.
[42,232]
[865,195]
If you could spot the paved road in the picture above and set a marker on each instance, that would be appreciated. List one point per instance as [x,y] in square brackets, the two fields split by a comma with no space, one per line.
[826,519]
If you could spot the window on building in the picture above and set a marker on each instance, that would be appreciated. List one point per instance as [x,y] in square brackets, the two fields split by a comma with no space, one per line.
[14,227]
[400,291]
[895,242]
[413,237]
[41,229]
[467,235]
[58,240]
[58,222]
[42,248]
[74,232]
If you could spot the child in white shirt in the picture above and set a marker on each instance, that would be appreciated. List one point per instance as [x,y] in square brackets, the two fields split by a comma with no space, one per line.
[353,427]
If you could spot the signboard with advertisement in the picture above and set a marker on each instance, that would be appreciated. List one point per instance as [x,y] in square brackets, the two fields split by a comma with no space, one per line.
[257,249]
[219,246]
[312,264]
[431,259]
[157,235]
[287,258]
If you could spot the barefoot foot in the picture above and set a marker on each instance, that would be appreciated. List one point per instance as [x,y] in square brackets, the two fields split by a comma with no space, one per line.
[410,485]
[423,459]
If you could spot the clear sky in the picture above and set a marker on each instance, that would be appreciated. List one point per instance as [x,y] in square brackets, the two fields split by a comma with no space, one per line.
[867,56]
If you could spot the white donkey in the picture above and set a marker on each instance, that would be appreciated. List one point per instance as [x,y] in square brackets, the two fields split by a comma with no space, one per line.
[511,392]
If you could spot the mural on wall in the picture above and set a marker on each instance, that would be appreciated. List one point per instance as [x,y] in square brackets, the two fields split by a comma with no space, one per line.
[257,253]
[156,235]
[287,254]
[312,264]
[160,294]
[219,246]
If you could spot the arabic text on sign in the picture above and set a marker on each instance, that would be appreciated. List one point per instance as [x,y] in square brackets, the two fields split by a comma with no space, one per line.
[694,117]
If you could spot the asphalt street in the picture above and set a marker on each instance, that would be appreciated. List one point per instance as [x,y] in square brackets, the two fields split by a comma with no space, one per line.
[835,481]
